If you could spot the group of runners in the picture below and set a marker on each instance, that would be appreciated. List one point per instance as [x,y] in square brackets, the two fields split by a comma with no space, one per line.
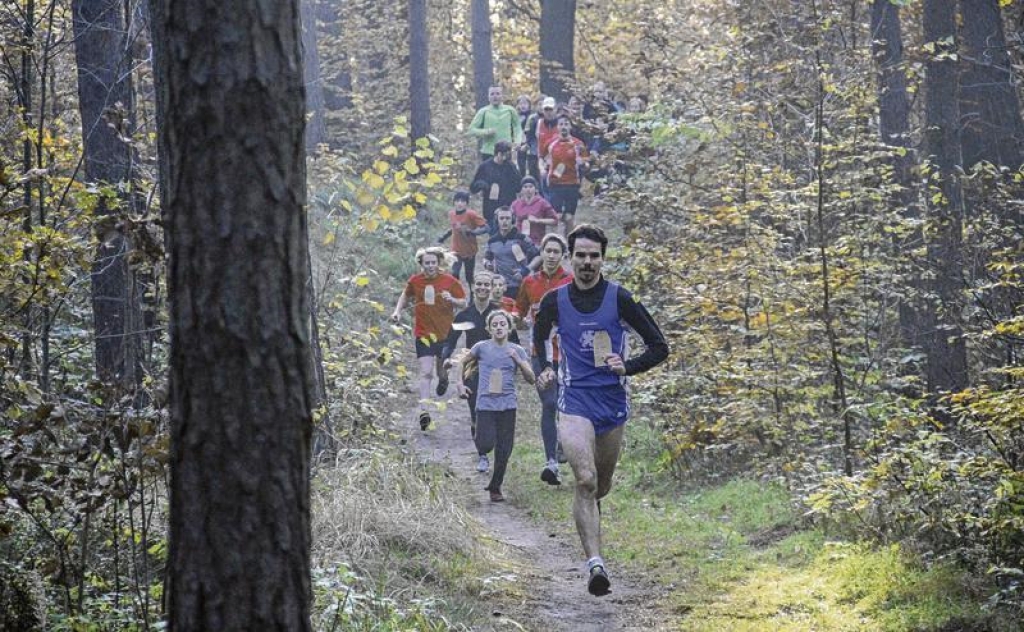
[574,321]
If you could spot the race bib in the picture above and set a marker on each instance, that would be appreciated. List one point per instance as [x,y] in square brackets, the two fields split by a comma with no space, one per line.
[495,190]
[526,227]
[494,382]
[517,252]
[602,347]
[559,169]
[429,296]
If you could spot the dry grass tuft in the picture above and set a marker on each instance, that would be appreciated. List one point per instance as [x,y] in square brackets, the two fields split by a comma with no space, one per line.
[372,506]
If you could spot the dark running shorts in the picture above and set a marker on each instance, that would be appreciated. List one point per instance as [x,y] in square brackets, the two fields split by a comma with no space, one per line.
[606,408]
[423,349]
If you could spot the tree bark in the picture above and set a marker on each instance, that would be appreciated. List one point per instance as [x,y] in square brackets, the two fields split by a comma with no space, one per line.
[231,109]
[419,77]
[946,349]
[557,48]
[315,130]
[105,102]
[483,57]
[990,110]
[894,129]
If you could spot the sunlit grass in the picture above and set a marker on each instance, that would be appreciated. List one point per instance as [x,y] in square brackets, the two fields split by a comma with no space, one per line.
[735,556]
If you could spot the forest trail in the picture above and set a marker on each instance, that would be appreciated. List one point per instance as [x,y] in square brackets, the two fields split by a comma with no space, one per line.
[549,566]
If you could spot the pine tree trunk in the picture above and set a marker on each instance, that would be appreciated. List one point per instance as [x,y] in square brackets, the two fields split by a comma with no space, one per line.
[315,131]
[946,349]
[557,48]
[105,102]
[894,129]
[231,112]
[419,67]
[990,110]
[483,58]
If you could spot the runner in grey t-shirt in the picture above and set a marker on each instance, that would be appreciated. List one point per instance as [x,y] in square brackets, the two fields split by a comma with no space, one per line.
[497,362]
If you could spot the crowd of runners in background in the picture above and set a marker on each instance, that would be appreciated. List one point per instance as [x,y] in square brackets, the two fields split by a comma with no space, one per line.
[533,163]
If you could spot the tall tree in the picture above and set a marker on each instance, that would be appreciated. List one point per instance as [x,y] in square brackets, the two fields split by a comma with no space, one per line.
[894,129]
[419,77]
[483,57]
[992,128]
[557,48]
[231,121]
[315,129]
[336,72]
[946,349]
[105,102]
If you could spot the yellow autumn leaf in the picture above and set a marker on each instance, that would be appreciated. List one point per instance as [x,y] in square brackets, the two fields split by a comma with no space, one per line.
[329,239]
[419,198]
[362,281]
[384,212]
[432,179]
[381,167]
[411,166]
[375,181]
[365,198]
[390,151]
[408,212]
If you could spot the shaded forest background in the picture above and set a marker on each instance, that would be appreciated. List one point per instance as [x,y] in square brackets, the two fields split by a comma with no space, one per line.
[824,213]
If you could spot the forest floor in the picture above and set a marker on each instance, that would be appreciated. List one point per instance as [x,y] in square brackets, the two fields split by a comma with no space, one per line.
[548,589]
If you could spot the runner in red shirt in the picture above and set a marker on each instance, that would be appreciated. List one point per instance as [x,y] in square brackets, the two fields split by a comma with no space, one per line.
[435,296]
[532,213]
[550,276]
[466,224]
[567,161]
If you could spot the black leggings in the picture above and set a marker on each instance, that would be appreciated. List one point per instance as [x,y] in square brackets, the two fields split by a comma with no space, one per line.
[470,263]
[496,430]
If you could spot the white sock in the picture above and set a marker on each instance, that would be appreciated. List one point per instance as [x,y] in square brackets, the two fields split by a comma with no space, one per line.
[594,561]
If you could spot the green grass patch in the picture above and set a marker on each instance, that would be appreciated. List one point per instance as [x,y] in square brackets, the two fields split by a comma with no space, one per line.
[734,556]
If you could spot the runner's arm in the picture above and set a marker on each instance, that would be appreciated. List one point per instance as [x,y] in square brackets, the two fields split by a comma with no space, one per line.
[446,235]
[452,341]
[639,319]
[547,316]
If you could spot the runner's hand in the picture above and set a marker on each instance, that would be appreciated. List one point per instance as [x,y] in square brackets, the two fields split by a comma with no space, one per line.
[446,295]
[615,363]
[545,378]
[395,317]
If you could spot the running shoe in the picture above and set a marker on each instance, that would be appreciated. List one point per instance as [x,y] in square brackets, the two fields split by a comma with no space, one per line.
[496,496]
[599,585]
[483,464]
[424,421]
[442,384]
[550,475]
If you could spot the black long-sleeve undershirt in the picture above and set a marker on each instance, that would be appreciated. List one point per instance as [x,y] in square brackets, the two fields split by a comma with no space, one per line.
[589,301]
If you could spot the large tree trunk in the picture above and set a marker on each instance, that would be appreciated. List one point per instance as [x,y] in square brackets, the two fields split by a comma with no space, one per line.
[557,48]
[315,131]
[483,58]
[105,102]
[990,110]
[946,349]
[231,103]
[894,129]
[419,77]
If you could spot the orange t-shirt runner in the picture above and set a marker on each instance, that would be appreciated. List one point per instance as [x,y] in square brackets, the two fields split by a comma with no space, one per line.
[432,315]
[465,246]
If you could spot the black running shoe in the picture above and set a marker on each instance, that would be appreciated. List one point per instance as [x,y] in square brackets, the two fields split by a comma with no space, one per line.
[550,476]
[442,384]
[599,585]
[424,421]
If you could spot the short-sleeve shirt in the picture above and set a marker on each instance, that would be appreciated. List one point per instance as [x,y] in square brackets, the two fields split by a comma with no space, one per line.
[494,361]
[565,161]
[432,315]
[465,246]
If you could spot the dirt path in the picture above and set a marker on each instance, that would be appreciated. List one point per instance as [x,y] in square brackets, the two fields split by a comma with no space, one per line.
[550,570]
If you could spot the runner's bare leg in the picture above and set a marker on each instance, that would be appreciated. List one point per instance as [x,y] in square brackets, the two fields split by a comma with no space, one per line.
[606,457]
[578,443]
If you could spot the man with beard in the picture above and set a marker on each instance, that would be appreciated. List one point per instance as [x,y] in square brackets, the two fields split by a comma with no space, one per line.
[592,315]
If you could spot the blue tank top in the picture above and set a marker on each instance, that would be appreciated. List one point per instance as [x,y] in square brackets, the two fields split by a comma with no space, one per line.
[576,334]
